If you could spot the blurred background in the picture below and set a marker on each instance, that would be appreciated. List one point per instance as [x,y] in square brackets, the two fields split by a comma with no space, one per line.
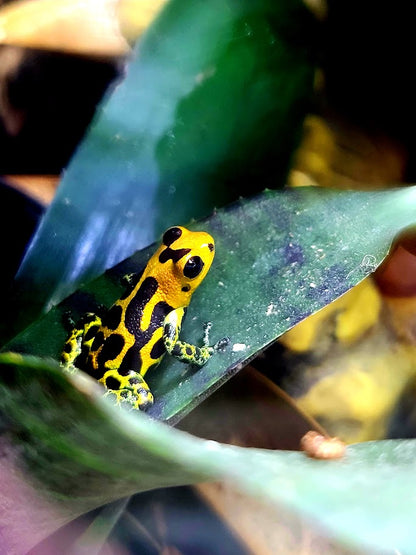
[57,60]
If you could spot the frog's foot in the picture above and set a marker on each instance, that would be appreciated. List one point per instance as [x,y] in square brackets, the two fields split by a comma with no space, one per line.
[72,349]
[186,352]
[78,338]
[130,389]
[220,345]
[69,368]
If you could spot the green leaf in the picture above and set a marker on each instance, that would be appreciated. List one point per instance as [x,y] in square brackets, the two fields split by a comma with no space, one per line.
[84,451]
[210,109]
[279,257]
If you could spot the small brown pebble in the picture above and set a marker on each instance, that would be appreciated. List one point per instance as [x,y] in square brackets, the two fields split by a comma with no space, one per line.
[317,446]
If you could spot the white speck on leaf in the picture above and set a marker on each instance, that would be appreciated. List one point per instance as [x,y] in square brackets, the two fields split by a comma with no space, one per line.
[237,347]
[271,309]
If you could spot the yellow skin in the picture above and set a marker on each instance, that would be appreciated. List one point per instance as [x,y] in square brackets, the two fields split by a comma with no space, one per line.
[145,322]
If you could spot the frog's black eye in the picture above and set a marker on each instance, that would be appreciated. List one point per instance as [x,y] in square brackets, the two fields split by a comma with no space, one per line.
[171,235]
[193,267]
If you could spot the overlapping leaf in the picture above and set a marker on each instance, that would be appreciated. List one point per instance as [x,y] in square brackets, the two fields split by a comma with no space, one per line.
[280,257]
[84,451]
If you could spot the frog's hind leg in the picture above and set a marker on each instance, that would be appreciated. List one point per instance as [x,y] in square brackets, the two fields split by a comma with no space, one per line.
[80,339]
[131,388]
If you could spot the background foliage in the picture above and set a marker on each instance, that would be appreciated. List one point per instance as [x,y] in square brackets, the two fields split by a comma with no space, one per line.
[210,107]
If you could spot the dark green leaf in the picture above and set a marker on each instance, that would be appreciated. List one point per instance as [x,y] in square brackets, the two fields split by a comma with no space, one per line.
[280,257]
[210,109]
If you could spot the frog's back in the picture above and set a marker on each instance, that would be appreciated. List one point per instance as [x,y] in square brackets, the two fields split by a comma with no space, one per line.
[130,334]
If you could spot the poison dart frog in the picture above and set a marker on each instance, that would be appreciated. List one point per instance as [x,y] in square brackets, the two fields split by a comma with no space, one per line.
[144,323]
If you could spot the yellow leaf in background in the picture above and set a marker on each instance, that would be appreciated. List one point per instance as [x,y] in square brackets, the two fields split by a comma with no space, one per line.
[356,401]
[335,153]
[350,363]
[357,359]
[350,321]
[135,16]
[89,27]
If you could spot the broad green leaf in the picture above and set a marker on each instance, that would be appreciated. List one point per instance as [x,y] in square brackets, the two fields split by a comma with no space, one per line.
[209,110]
[279,258]
[83,451]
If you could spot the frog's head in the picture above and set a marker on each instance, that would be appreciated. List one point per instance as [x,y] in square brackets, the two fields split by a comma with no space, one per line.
[185,258]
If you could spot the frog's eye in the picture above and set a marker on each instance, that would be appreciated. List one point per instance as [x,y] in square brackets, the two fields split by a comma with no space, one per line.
[193,267]
[171,235]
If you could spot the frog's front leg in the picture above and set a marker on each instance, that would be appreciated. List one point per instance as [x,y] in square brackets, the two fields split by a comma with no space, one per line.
[186,352]
[130,388]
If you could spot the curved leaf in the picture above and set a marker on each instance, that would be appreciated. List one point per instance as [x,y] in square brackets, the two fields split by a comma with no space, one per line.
[280,257]
[84,451]
[210,108]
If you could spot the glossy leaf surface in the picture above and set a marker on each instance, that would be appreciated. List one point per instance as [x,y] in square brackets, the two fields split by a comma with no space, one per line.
[84,451]
[279,257]
[209,110]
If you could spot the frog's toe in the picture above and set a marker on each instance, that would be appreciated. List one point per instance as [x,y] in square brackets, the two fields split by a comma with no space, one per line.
[122,397]
[144,399]
[222,344]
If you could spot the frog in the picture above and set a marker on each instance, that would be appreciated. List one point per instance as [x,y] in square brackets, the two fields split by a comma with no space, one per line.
[120,346]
